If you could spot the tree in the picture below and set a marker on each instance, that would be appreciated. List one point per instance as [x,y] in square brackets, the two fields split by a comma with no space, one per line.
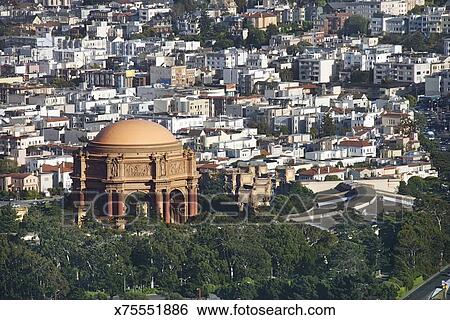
[314,133]
[248,261]
[147,32]
[297,200]
[328,127]
[403,188]
[441,160]
[412,101]
[8,30]
[213,184]
[28,275]
[223,42]
[416,10]
[30,194]
[421,121]
[286,75]
[241,5]
[305,287]
[60,83]
[180,7]
[206,26]
[358,77]
[201,270]
[415,41]
[332,178]
[256,38]
[263,128]
[356,25]
[407,126]
[274,289]
[284,130]
[384,290]
[239,290]
[435,43]
[419,248]
[289,258]
[8,220]
[347,257]
[8,166]
[295,49]
[271,30]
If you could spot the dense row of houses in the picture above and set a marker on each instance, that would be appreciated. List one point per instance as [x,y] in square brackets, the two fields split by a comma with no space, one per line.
[256,115]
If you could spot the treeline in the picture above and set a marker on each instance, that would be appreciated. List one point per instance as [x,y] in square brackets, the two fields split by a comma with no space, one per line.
[239,261]
[417,41]
[217,35]
[422,242]
[44,259]
[233,258]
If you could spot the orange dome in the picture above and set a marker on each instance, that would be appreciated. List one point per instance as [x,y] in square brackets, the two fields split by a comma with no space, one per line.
[134,133]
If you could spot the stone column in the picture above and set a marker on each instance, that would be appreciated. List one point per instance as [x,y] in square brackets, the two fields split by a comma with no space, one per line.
[192,202]
[167,217]
[120,203]
[78,208]
[159,205]
[195,205]
[110,203]
[81,198]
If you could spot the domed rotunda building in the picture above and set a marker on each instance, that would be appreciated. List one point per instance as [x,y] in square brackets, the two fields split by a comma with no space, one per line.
[134,167]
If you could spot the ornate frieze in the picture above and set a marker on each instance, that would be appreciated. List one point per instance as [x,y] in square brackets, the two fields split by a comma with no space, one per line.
[176,167]
[137,170]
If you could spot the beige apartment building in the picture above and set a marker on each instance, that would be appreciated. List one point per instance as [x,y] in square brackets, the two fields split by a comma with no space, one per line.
[178,76]
[261,20]
[19,182]
[193,106]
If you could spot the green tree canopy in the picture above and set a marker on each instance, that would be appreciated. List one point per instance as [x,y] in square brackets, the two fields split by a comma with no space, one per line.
[8,166]
[26,274]
[256,38]
[8,220]
[327,128]
[356,25]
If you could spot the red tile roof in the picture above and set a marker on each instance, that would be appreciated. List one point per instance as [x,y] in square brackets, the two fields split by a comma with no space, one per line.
[208,166]
[355,143]
[259,15]
[56,119]
[394,114]
[309,86]
[17,175]
[64,167]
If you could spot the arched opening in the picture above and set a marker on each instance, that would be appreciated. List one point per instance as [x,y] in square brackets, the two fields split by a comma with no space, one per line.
[177,206]
[139,204]
[100,205]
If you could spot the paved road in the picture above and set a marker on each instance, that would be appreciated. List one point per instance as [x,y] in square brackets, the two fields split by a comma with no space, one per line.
[424,291]
[27,203]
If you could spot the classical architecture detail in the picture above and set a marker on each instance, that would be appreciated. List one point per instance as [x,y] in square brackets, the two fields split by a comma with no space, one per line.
[137,170]
[162,165]
[135,167]
[176,167]
[114,168]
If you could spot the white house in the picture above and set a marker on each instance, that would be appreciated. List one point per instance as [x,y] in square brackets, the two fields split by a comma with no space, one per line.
[358,148]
